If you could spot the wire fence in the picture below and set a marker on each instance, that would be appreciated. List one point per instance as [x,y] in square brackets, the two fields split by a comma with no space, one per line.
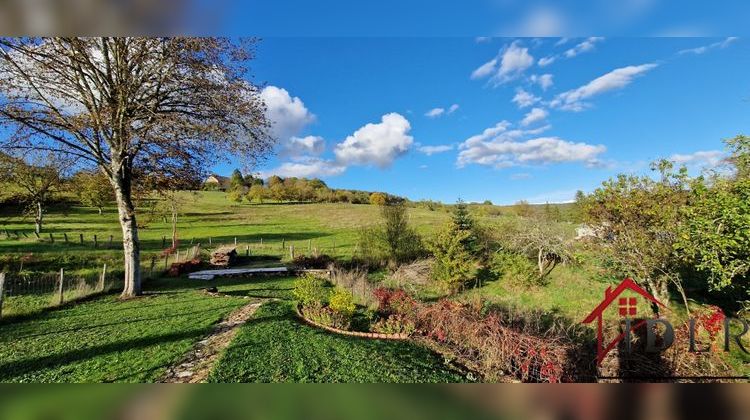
[24,293]
[249,243]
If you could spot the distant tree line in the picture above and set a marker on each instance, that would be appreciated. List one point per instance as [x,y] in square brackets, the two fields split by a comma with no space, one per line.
[292,189]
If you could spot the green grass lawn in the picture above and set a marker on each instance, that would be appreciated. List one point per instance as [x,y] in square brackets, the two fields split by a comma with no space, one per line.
[276,347]
[108,340]
[210,214]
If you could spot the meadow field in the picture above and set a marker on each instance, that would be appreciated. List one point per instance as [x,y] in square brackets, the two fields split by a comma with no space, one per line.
[97,337]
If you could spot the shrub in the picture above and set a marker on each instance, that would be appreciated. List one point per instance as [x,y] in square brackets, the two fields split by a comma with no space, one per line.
[393,241]
[394,301]
[327,316]
[394,324]
[490,346]
[318,262]
[342,302]
[454,266]
[310,291]
[514,268]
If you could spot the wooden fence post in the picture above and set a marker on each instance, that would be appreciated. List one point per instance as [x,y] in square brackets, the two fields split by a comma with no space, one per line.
[191,240]
[163,242]
[80,235]
[261,242]
[65,235]
[283,244]
[96,242]
[291,252]
[309,245]
[110,241]
[153,263]
[247,250]
[235,241]
[166,260]
[101,279]
[2,292]
[51,238]
[62,281]
[210,242]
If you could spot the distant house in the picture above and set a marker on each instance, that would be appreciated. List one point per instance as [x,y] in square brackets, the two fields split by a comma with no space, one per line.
[216,182]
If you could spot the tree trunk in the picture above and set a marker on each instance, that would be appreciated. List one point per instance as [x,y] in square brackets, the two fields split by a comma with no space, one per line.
[660,290]
[100,211]
[130,244]
[38,217]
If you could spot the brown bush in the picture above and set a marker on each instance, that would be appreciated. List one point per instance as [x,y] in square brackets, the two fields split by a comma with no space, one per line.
[317,262]
[493,349]
[179,268]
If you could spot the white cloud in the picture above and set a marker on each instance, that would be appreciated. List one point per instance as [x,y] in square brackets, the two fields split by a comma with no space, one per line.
[376,143]
[562,41]
[309,168]
[703,159]
[287,114]
[485,69]
[582,47]
[434,112]
[586,45]
[514,61]
[499,147]
[431,150]
[308,145]
[509,65]
[543,80]
[524,99]
[534,116]
[574,100]
[546,61]
[437,112]
[700,50]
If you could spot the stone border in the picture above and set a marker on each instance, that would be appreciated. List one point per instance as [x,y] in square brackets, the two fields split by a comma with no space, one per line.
[378,336]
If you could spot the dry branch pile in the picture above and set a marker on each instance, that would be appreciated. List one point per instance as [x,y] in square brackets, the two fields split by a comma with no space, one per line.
[224,256]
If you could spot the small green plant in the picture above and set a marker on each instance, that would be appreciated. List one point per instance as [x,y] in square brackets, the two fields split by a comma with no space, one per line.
[310,291]
[514,268]
[454,266]
[342,301]
[394,324]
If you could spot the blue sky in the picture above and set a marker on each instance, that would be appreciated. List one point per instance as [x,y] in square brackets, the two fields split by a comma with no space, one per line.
[357,111]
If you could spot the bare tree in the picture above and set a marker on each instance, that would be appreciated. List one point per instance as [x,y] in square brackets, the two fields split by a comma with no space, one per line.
[126,104]
[36,181]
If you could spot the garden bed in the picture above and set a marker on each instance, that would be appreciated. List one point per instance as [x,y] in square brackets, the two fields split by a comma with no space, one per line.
[361,334]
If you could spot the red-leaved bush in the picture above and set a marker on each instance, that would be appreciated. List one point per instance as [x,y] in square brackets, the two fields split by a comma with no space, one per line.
[482,342]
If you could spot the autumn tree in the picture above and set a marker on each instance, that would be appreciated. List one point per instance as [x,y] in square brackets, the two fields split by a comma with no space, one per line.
[638,218]
[37,181]
[378,199]
[93,189]
[715,234]
[123,103]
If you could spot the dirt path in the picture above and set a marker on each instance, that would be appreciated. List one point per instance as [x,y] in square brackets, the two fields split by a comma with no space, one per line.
[197,363]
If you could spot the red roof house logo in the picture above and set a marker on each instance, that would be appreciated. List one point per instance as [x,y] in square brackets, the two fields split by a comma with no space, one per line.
[627,308]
